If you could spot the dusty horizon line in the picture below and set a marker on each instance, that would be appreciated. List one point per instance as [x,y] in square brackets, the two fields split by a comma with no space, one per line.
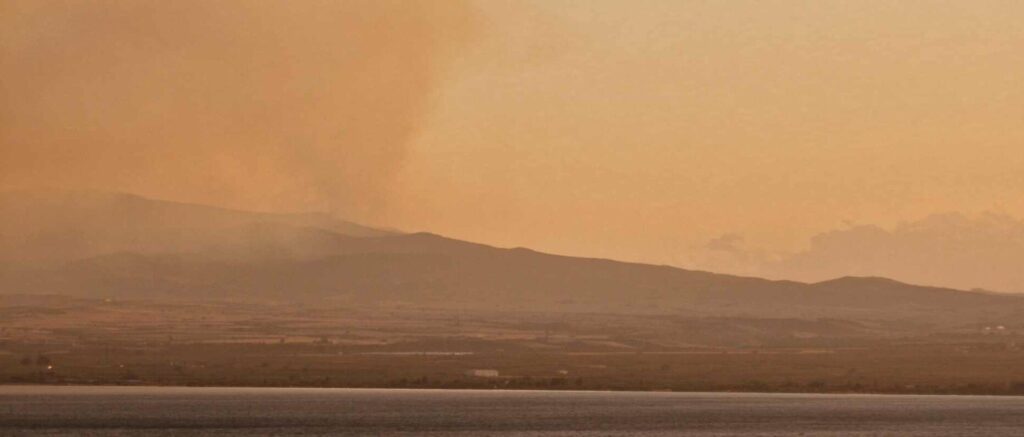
[397,233]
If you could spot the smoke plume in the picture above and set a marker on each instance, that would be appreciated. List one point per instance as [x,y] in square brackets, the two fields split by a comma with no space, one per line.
[254,104]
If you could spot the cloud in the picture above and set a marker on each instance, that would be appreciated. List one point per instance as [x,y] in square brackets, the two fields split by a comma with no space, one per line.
[945,249]
[726,242]
[730,253]
[951,250]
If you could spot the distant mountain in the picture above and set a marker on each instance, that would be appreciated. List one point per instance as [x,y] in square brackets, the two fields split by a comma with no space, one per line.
[115,245]
[49,226]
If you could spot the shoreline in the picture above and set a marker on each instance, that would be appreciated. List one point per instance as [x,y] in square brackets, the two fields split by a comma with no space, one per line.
[4,386]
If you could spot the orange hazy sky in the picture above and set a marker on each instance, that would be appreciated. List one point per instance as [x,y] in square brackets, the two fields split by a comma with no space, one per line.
[639,129]
[631,130]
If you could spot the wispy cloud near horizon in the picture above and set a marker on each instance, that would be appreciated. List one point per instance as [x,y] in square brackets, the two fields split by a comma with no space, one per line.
[950,249]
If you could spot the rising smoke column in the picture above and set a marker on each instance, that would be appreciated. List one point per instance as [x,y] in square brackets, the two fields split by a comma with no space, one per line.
[250,104]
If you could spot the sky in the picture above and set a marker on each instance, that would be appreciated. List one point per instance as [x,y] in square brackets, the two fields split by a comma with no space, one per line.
[785,139]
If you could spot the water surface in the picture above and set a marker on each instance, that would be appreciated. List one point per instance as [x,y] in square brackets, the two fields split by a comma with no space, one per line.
[54,410]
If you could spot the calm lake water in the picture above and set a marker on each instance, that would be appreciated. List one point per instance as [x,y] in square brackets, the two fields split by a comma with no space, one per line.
[43,410]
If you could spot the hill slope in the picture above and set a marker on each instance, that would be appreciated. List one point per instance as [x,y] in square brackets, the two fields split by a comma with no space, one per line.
[63,226]
[112,245]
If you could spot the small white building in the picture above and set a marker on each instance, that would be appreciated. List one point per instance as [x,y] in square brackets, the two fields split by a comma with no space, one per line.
[482,373]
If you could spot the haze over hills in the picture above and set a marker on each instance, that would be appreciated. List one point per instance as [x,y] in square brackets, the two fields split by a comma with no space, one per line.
[848,219]
[122,286]
[125,246]
[40,226]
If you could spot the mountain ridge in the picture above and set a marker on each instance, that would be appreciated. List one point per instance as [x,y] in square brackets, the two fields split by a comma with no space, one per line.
[158,249]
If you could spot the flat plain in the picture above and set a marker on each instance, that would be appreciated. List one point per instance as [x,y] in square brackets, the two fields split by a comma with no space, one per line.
[62,340]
